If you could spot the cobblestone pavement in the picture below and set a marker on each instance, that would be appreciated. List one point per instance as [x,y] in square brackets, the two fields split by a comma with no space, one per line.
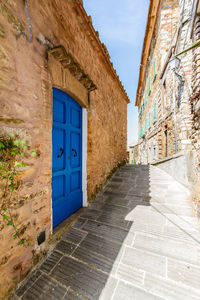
[139,240]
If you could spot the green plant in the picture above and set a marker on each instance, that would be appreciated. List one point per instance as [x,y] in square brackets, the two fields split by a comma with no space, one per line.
[13,151]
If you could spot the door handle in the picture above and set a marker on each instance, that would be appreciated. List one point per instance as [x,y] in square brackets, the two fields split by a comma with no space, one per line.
[75,152]
[61,153]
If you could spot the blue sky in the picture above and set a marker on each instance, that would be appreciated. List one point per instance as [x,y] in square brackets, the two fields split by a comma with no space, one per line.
[121,26]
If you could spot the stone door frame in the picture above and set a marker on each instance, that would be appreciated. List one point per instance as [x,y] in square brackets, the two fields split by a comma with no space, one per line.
[62,79]
[84,156]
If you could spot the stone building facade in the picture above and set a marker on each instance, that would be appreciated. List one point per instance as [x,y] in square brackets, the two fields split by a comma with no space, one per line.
[195,100]
[133,154]
[65,53]
[164,87]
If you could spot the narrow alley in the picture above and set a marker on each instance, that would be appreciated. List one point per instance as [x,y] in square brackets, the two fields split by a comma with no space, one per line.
[138,240]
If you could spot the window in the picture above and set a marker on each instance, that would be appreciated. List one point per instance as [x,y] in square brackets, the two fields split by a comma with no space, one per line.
[149,85]
[154,114]
[154,69]
[146,125]
[131,150]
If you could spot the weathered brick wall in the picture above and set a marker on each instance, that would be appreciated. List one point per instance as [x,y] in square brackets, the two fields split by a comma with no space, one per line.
[27,74]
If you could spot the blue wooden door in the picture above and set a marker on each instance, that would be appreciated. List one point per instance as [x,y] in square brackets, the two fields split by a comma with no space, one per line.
[67,156]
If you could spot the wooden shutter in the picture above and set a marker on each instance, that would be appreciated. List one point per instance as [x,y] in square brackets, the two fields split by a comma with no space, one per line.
[154,69]
[149,119]
[149,84]
[154,111]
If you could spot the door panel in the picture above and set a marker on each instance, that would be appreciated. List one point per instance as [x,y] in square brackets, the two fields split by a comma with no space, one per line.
[75,181]
[66,157]
[75,150]
[58,149]
[75,118]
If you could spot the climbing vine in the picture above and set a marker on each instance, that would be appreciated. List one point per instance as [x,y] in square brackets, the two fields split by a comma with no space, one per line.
[13,152]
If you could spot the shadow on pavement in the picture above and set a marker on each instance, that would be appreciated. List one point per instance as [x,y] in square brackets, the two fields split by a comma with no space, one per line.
[84,263]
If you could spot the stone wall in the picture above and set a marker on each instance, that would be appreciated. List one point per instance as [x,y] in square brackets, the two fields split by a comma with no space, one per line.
[168,131]
[28,71]
[195,102]
[133,157]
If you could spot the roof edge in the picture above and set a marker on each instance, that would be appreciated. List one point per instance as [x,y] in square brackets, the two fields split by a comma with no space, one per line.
[101,46]
[150,26]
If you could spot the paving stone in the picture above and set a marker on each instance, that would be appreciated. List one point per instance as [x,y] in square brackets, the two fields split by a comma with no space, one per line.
[72,296]
[79,223]
[107,231]
[186,223]
[74,236]
[91,214]
[51,261]
[108,289]
[183,273]
[169,289]
[97,205]
[114,219]
[134,204]
[115,209]
[110,193]
[80,278]
[144,261]
[129,292]
[132,250]
[130,274]
[45,288]
[173,209]
[129,239]
[112,200]
[100,245]
[134,198]
[168,248]
[182,235]
[144,214]
[65,247]
[116,179]
[28,283]
[94,259]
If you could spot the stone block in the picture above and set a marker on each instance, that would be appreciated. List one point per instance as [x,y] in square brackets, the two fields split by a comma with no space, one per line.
[168,248]
[110,232]
[45,288]
[144,260]
[183,273]
[169,289]
[130,292]
[80,278]
[65,247]
[130,274]
[74,236]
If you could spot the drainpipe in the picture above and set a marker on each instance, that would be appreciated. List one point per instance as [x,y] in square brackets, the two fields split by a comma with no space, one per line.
[174,102]
[175,63]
